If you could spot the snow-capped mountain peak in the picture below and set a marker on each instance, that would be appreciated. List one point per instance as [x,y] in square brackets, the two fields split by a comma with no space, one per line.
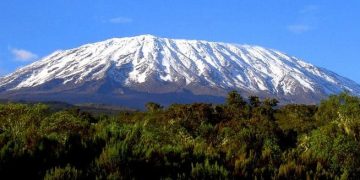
[146,63]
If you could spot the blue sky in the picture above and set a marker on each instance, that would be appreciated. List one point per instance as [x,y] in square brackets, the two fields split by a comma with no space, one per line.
[325,33]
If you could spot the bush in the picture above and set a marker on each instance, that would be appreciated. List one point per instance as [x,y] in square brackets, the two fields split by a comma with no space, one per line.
[59,173]
[236,140]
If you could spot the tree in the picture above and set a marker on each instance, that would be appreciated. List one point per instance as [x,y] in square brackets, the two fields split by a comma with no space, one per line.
[270,102]
[254,101]
[153,107]
[234,99]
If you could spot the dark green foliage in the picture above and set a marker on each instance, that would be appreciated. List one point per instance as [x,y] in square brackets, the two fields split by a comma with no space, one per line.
[58,173]
[236,140]
[235,99]
[151,107]
[254,101]
[298,118]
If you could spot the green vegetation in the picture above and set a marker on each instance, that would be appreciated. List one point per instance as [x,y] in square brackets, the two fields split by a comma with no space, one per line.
[239,139]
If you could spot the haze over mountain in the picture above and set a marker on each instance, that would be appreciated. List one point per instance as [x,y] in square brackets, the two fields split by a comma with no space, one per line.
[132,71]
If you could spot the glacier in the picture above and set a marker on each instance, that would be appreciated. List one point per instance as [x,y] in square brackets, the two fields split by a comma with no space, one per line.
[145,63]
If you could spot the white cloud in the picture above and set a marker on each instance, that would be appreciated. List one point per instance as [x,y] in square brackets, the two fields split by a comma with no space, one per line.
[23,55]
[307,20]
[309,9]
[120,20]
[299,28]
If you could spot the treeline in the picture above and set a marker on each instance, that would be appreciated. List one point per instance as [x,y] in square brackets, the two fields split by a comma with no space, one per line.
[241,139]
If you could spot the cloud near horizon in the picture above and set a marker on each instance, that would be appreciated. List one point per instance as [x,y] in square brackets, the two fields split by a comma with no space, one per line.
[120,20]
[23,55]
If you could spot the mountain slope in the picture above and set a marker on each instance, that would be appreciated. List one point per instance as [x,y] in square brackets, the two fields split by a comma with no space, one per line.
[143,67]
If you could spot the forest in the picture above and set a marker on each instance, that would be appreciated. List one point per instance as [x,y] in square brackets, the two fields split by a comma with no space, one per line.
[244,138]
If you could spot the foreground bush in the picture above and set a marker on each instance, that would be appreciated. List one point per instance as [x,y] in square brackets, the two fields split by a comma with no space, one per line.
[235,140]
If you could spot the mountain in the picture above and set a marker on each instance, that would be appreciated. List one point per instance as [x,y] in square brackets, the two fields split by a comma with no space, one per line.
[134,70]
